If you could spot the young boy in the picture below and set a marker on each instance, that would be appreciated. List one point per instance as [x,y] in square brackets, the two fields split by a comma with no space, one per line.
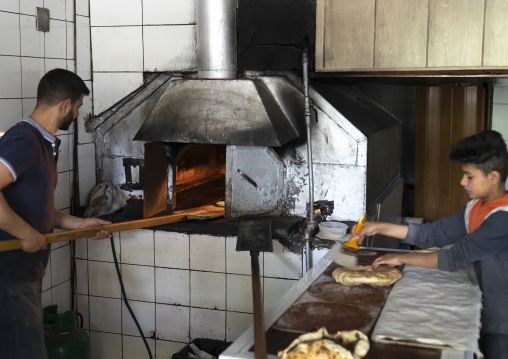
[478,235]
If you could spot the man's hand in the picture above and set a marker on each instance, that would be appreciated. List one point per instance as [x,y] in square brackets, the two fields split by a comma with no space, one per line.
[34,242]
[66,221]
[95,222]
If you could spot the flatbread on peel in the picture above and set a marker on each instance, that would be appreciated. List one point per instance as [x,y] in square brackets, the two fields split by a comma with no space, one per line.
[320,344]
[365,275]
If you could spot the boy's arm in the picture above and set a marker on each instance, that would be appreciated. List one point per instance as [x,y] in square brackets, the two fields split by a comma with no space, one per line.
[425,260]
[388,229]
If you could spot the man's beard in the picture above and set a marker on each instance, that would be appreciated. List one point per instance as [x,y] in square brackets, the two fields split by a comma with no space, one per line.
[65,123]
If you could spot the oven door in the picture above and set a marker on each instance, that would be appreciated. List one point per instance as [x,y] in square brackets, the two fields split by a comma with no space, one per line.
[254,181]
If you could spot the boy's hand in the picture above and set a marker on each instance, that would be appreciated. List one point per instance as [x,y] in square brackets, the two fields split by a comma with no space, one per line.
[369,229]
[391,260]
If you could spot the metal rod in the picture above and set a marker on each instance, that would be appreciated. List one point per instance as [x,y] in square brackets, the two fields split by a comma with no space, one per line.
[310,228]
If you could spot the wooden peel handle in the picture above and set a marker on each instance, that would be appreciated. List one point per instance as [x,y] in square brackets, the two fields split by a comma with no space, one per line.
[12,244]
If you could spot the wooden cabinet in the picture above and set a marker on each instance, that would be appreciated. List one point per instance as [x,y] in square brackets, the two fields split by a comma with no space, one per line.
[444,115]
[415,35]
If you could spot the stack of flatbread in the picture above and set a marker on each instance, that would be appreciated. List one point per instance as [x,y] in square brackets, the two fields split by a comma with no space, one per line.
[322,345]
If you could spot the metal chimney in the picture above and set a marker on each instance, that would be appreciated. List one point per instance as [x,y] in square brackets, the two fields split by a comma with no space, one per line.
[216,38]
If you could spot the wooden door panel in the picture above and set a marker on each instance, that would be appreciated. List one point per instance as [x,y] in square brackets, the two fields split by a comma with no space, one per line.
[444,116]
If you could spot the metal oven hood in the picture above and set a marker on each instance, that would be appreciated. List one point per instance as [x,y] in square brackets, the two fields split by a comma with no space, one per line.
[260,112]
[217,107]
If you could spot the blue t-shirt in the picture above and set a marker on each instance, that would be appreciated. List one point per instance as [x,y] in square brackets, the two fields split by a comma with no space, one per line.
[30,153]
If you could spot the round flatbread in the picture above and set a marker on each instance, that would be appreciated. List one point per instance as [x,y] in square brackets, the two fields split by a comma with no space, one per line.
[365,275]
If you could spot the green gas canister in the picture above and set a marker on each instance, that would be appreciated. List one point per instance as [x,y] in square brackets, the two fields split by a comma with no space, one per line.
[64,338]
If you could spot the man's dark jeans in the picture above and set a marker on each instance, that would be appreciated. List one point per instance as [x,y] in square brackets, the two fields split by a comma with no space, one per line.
[21,332]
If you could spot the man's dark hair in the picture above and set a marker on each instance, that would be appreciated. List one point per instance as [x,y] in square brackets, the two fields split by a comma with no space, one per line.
[58,85]
[486,150]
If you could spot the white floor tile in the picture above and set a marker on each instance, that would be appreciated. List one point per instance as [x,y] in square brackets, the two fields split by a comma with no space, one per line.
[56,8]
[205,323]
[137,247]
[10,73]
[180,56]
[117,49]
[28,6]
[55,41]
[237,323]
[239,293]
[60,265]
[111,87]
[239,262]
[282,263]
[84,60]
[33,70]
[13,112]
[62,296]
[103,280]
[105,345]
[86,164]
[63,191]
[171,250]
[81,276]
[207,253]
[139,282]
[10,39]
[135,348]
[208,290]
[105,314]
[172,286]
[10,5]
[275,288]
[169,12]
[145,315]
[32,41]
[172,323]
[82,307]
[100,250]
[115,12]
[82,7]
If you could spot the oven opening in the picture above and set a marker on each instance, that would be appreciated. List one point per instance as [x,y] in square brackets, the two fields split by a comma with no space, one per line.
[199,176]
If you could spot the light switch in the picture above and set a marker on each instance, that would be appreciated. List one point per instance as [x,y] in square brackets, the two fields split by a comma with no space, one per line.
[42,23]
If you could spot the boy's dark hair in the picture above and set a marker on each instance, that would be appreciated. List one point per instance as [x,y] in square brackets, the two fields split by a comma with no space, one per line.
[58,85]
[486,150]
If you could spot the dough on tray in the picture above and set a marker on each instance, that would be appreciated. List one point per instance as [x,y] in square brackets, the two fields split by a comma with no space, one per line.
[365,275]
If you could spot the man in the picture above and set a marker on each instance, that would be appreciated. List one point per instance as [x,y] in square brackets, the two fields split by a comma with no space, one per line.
[28,178]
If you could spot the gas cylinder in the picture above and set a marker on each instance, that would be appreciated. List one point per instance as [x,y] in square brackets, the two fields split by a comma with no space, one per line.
[64,338]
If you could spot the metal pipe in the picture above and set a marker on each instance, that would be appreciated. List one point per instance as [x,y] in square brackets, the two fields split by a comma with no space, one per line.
[216,38]
[310,228]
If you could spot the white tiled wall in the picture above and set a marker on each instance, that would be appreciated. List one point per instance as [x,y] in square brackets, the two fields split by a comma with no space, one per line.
[132,36]
[500,111]
[25,55]
[179,286]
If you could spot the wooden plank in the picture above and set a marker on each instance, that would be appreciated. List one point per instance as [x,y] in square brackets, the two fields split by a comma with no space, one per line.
[349,34]
[401,33]
[455,33]
[194,213]
[495,41]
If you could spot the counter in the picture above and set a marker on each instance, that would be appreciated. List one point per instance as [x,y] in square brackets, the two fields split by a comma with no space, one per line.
[281,329]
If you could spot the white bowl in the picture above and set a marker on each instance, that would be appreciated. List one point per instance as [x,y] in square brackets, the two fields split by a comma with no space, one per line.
[332,229]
